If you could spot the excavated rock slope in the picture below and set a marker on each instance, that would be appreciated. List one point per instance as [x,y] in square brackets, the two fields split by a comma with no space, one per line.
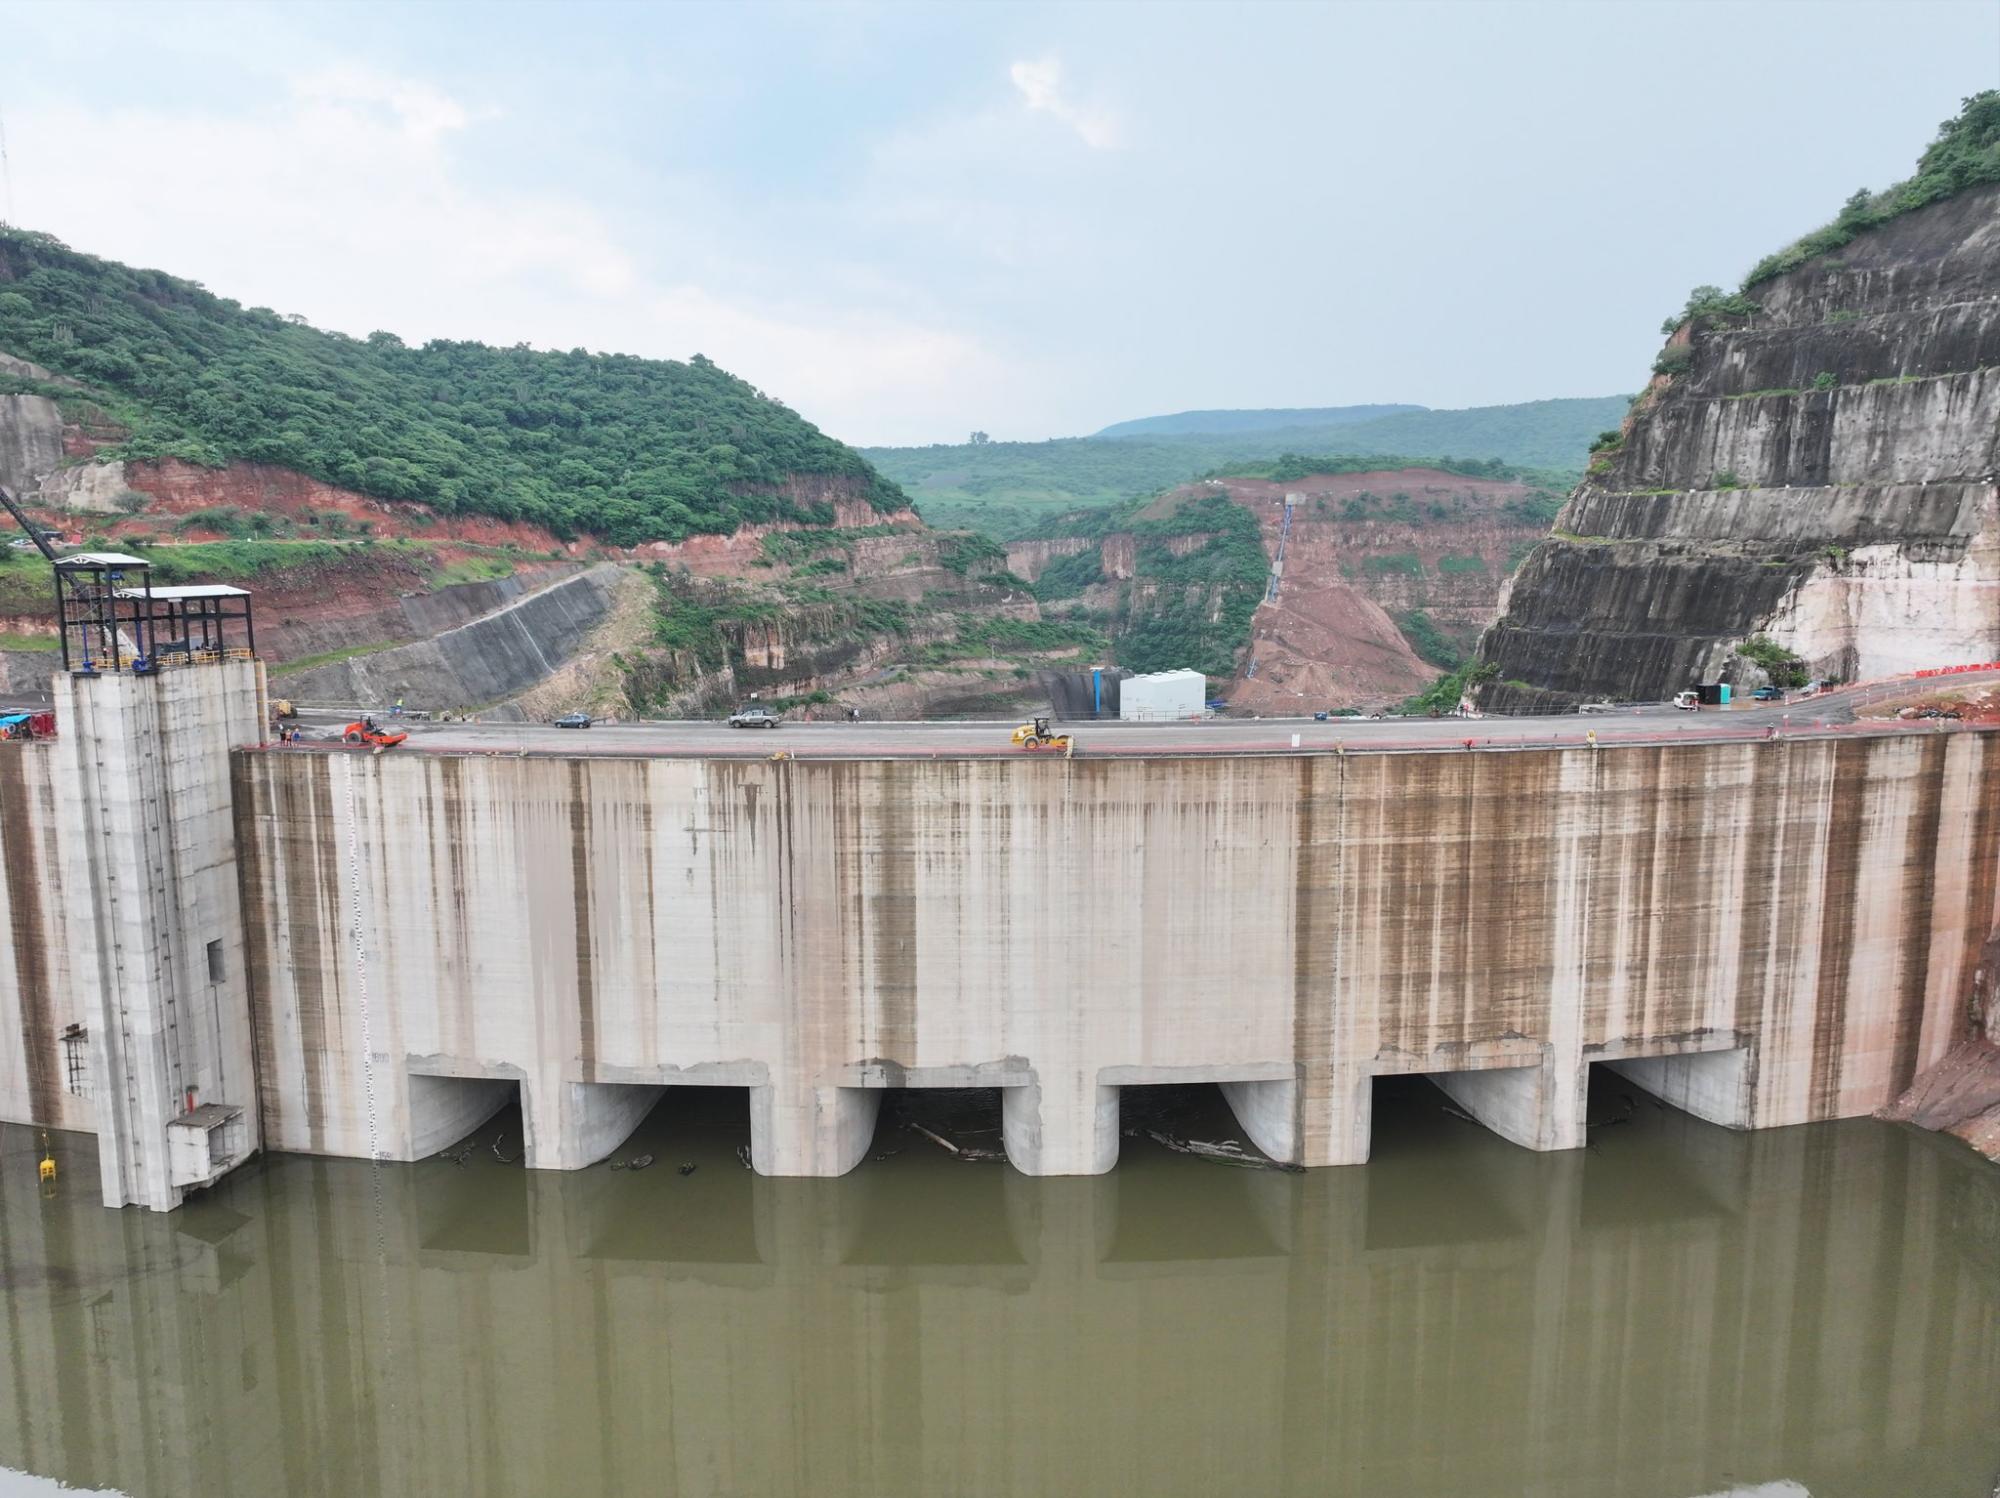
[1822,472]
[474,665]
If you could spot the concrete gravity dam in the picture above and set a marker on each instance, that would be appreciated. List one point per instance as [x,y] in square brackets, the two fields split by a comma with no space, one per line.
[217,947]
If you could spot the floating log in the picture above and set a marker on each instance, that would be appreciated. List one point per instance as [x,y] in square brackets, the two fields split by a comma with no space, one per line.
[937,1139]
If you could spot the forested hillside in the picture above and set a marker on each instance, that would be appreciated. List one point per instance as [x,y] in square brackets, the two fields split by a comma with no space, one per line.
[1008,488]
[630,449]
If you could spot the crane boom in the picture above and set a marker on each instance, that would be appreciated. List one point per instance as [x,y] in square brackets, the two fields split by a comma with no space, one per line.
[34,531]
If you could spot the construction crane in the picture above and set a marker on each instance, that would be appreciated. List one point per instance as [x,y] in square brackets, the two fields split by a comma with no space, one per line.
[34,531]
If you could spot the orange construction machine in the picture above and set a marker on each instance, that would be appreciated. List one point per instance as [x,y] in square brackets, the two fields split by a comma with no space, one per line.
[365,732]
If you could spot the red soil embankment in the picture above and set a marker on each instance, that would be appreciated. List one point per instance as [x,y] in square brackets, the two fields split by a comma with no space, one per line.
[1364,548]
[176,488]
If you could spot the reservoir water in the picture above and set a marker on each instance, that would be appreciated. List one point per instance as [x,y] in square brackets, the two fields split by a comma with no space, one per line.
[1677,1310]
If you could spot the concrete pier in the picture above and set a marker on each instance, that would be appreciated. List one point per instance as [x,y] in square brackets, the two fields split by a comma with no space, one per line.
[158,1000]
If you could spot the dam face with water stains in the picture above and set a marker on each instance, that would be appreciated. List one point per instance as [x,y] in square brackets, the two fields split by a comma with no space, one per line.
[360,955]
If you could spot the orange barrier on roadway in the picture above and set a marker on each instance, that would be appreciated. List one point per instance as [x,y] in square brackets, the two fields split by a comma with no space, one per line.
[1956,670]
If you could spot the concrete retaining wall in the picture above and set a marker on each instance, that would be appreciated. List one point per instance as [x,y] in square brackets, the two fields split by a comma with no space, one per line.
[1291,927]
[494,657]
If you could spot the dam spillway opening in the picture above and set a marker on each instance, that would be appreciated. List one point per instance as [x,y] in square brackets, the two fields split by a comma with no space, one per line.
[712,1120]
[966,1123]
[1181,1118]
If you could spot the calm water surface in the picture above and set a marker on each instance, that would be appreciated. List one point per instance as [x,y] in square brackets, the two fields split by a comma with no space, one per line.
[1676,1311]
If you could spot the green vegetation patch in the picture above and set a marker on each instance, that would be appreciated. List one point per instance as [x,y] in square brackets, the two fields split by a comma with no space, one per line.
[631,449]
[331,657]
[219,561]
[1538,508]
[1428,641]
[474,569]
[1442,695]
[966,550]
[1711,303]
[1461,565]
[1965,154]
[1066,577]
[1197,614]
[793,547]
[1783,667]
[1398,563]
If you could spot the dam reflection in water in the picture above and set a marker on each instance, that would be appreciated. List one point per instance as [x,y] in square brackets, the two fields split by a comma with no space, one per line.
[1678,1310]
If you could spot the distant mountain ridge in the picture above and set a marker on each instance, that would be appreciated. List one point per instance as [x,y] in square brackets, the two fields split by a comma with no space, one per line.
[1007,488]
[1183,423]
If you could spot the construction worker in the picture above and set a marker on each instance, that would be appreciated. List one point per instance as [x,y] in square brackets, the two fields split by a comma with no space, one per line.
[397,710]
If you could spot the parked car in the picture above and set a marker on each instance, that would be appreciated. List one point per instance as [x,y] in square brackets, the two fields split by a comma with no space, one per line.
[1687,701]
[1768,694]
[753,717]
[573,720]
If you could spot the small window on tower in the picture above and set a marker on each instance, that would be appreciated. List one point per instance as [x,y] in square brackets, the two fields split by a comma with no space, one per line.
[215,974]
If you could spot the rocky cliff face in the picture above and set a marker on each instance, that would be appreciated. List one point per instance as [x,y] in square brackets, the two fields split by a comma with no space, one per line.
[31,433]
[1819,471]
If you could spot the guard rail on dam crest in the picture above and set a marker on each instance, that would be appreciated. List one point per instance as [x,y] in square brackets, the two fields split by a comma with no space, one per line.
[361,955]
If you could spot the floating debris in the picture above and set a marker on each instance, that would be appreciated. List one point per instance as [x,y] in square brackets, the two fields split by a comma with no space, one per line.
[1226,1152]
[887,1154]
[688,1167]
[503,1158]
[638,1162]
[743,1154]
[937,1139]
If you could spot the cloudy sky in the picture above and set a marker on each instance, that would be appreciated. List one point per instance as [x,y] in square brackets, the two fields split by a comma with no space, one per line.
[909,221]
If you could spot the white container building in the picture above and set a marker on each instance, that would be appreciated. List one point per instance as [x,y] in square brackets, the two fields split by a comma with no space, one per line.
[1163,697]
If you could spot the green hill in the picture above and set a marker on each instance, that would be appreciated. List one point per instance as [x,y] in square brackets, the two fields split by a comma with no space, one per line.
[1184,422]
[631,449]
[1007,488]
